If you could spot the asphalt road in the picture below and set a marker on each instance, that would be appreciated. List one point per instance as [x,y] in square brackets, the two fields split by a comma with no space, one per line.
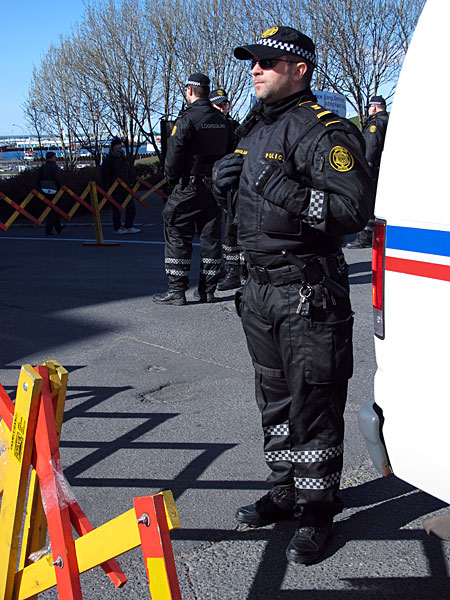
[162,398]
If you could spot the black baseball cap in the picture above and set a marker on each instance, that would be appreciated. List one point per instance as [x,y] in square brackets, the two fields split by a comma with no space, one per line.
[278,41]
[377,101]
[198,80]
[50,155]
[218,96]
[115,142]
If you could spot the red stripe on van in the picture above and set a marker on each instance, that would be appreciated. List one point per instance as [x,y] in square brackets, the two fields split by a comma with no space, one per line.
[414,267]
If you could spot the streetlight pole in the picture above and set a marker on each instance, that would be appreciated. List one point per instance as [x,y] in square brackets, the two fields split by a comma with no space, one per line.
[24,143]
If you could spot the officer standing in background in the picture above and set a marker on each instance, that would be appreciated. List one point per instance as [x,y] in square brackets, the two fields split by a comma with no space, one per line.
[199,137]
[303,183]
[231,250]
[374,132]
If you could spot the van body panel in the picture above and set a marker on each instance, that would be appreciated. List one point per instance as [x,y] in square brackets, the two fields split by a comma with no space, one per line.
[413,361]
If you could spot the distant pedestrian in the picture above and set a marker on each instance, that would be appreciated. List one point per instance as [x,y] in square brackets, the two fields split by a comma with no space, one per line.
[116,166]
[49,183]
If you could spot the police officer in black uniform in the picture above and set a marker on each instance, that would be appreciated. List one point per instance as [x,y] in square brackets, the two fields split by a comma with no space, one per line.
[374,132]
[200,136]
[230,248]
[303,183]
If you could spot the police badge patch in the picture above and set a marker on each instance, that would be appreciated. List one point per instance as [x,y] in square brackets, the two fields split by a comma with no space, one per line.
[373,128]
[269,32]
[341,159]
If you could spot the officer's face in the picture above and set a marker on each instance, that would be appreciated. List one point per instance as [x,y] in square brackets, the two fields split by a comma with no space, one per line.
[223,107]
[283,78]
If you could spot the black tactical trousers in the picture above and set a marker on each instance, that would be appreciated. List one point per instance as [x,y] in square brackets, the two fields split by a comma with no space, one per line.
[190,209]
[230,248]
[302,366]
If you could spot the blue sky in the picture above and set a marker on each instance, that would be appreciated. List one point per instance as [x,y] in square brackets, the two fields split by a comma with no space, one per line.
[29,27]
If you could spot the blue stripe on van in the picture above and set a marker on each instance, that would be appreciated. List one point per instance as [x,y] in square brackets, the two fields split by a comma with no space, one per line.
[427,241]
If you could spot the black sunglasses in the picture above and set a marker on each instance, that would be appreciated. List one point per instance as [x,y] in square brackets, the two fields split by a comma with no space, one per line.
[269,63]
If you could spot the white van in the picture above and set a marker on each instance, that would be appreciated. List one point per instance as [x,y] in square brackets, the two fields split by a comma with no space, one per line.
[407,426]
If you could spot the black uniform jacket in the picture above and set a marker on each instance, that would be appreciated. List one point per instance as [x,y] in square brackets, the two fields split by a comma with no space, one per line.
[327,191]
[374,132]
[114,167]
[200,136]
[48,176]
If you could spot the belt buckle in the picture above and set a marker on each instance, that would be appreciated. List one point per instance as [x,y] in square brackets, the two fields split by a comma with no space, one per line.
[262,274]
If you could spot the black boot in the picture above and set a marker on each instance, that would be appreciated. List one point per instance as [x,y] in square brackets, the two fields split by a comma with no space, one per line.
[310,540]
[231,280]
[278,504]
[205,297]
[175,297]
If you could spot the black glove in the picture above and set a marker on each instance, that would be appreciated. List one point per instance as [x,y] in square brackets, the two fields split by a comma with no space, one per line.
[226,172]
[271,179]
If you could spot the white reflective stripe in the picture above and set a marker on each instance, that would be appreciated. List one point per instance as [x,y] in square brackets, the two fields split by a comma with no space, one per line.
[207,272]
[311,483]
[211,261]
[173,272]
[178,261]
[304,456]
[282,429]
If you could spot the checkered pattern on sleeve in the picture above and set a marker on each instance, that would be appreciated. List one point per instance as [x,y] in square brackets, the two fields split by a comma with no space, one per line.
[288,48]
[316,206]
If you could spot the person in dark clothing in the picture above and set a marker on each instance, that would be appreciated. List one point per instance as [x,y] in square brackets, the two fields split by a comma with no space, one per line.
[303,183]
[49,183]
[115,166]
[230,248]
[374,133]
[199,137]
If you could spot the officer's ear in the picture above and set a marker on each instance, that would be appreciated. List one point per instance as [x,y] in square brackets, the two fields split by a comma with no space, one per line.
[301,69]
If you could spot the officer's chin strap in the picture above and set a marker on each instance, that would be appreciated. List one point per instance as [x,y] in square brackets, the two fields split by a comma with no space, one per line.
[309,270]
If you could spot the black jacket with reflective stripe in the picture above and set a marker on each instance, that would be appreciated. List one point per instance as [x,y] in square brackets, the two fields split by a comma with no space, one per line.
[327,192]
[200,136]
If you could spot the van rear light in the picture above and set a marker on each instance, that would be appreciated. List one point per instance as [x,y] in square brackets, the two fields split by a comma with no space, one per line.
[378,255]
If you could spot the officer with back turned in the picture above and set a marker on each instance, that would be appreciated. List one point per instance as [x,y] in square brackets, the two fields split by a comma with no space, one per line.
[200,136]
[374,132]
[303,183]
[231,250]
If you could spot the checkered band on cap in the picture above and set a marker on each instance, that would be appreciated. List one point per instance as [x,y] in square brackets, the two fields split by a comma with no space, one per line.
[190,82]
[288,48]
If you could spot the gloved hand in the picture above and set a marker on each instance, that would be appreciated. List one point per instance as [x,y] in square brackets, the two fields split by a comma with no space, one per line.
[271,179]
[226,172]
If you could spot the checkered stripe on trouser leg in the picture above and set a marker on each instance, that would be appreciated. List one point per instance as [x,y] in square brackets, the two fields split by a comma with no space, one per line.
[231,253]
[177,266]
[320,483]
[305,456]
[210,266]
[281,429]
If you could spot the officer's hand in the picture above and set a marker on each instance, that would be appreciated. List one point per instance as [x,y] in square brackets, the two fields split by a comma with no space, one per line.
[226,172]
[272,180]
[267,174]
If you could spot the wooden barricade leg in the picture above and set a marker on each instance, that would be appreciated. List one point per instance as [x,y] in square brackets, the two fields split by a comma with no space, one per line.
[16,475]
[48,465]
[97,220]
[157,548]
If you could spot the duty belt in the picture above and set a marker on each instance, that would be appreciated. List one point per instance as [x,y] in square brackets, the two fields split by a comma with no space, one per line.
[324,270]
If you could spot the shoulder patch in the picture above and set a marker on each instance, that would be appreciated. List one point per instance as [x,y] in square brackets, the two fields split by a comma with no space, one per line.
[174,130]
[372,128]
[341,159]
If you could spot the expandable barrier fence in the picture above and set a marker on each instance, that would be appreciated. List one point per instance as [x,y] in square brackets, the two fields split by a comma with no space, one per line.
[94,206]
[29,439]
